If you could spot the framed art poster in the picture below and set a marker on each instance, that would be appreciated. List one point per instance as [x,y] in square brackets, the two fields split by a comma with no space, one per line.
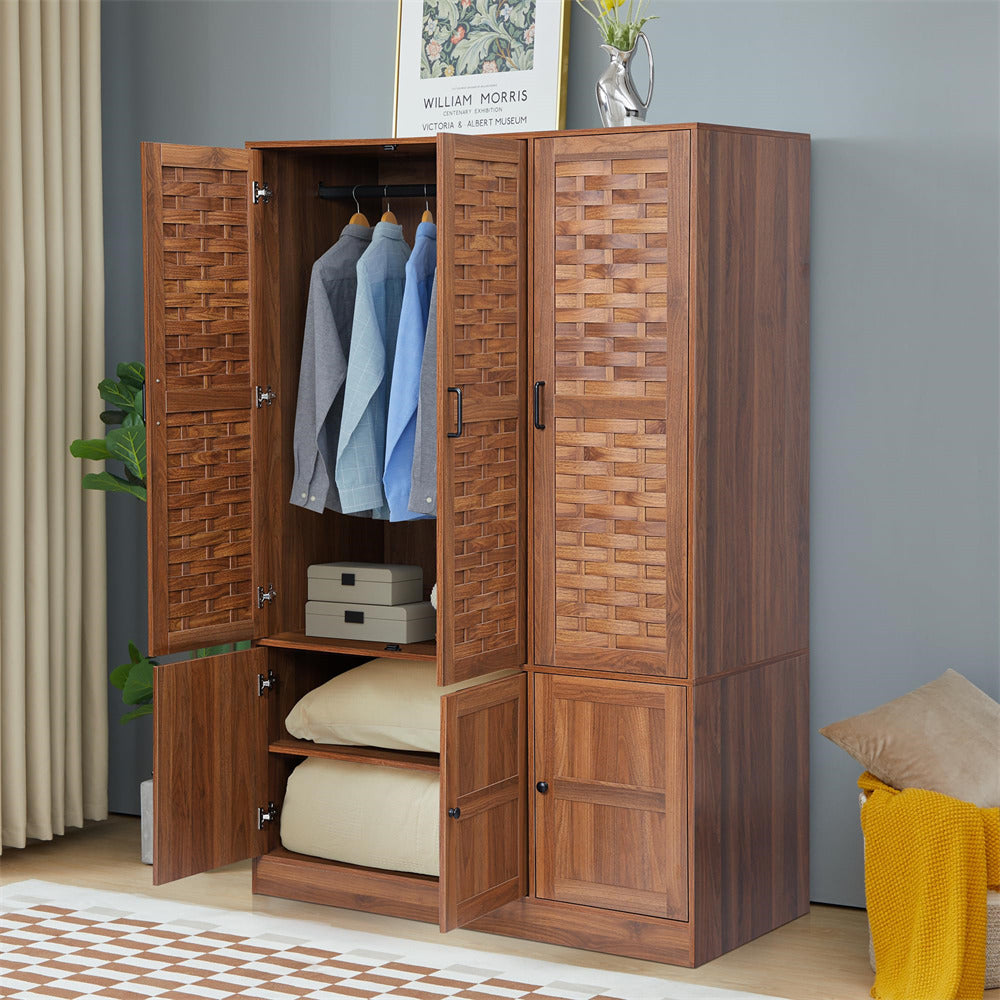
[480,66]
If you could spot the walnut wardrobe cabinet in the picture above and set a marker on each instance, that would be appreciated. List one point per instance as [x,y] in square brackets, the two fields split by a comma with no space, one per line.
[622,525]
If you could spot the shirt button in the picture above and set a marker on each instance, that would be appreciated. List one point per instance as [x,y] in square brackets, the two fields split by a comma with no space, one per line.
[303,496]
[429,500]
[312,498]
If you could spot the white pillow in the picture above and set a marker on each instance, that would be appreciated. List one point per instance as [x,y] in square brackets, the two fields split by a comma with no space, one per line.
[380,817]
[395,704]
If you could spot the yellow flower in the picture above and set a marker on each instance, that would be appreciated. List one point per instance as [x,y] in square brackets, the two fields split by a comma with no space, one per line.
[449,71]
[609,5]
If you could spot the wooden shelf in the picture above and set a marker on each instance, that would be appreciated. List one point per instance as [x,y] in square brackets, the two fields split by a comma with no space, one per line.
[409,759]
[352,647]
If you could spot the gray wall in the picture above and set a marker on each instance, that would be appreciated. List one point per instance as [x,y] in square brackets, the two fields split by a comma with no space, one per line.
[902,103]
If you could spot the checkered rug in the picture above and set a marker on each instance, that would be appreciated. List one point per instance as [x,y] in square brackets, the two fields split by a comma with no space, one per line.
[61,942]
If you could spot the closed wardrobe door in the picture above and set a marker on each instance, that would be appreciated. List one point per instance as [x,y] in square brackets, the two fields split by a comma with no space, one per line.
[609,371]
[610,797]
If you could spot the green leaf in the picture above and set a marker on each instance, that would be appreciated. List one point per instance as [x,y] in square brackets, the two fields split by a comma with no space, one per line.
[133,419]
[112,417]
[112,484]
[138,689]
[128,444]
[119,675]
[134,479]
[95,448]
[133,652]
[212,650]
[132,374]
[117,394]
[141,710]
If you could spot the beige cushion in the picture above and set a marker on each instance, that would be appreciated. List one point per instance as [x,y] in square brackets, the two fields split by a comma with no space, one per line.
[380,817]
[388,703]
[945,737]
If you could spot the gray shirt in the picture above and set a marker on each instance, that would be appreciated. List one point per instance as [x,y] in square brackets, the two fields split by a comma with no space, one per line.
[423,478]
[325,349]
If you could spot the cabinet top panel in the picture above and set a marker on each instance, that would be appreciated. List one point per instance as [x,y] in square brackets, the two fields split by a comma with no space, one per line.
[420,144]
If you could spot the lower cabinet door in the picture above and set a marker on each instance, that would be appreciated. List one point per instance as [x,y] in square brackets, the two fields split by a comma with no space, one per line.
[484,828]
[610,795]
[209,763]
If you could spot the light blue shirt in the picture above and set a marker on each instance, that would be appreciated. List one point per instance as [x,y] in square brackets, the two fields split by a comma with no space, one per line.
[401,422]
[361,449]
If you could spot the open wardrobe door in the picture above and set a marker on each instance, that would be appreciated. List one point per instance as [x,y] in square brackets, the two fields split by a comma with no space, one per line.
[484,830]
[482,412]
[198,395]
[209,763]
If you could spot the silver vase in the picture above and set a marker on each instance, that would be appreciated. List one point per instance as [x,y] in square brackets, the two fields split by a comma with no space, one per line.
[617,99]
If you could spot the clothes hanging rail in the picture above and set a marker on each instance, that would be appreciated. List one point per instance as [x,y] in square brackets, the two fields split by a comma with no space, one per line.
[332,192]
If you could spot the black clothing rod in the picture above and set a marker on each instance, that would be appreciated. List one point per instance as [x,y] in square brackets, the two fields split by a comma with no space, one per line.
[331,192]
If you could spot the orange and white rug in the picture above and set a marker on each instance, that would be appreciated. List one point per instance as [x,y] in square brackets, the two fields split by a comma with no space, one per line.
[62,942]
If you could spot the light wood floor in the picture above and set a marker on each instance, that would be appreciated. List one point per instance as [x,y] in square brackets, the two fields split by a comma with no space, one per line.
[822,956]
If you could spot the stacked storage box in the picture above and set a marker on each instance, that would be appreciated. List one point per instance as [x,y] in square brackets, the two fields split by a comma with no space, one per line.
[368,601]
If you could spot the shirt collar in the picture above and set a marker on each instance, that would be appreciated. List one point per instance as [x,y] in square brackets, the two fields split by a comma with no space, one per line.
[388,231]
[357,231]
[428,230]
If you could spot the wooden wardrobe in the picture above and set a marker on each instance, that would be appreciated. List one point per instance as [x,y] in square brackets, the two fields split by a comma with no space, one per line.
[622,522]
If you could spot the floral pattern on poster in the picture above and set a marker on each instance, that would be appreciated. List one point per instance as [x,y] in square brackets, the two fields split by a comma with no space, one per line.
[471,37]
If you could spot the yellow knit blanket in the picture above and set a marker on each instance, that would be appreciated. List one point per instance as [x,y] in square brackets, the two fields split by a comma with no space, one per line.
[928,861]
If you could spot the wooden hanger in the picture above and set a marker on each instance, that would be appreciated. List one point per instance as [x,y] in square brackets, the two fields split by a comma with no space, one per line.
[428,215]
[359,218]
[387,215]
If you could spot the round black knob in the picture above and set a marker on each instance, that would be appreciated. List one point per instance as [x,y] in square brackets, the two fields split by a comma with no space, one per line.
[454,812]
[542,786]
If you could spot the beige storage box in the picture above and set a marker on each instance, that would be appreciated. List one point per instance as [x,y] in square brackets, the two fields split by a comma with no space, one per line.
[365,583]
[415,622]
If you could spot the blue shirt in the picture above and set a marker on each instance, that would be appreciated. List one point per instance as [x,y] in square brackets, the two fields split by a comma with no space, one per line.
[401,422]
[381,275]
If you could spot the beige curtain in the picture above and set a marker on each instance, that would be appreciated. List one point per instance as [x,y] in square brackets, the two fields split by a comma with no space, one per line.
[53,646]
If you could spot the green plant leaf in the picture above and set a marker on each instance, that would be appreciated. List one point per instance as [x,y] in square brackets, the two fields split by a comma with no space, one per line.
[133,374]
[112,417]
[133,478]
[112,484]
[119,675]
[135,713]
[117,394]
[212,650]
[133,419]
[133,652]
[95,448]
[128,444]
[138,689]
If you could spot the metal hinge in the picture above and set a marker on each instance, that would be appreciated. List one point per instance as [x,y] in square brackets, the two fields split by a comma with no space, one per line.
[263,596]
[261,193]
[268,683]
[267,395]
[268,815]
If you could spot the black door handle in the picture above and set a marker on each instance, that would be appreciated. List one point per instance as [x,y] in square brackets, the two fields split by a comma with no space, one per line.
[538,406]
[458,431]
[454,812]
[542,786]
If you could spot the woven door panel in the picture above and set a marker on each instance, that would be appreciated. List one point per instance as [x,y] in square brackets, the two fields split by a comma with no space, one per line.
[613,455]
[198,378]
[481,351]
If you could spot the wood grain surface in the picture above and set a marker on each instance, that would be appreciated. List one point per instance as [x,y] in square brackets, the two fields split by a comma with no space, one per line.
[482,521]
[750,734]
[610,345]
[750,400]
[484,736]
[610,831]
[196,271]
[209,763]
[316,880]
